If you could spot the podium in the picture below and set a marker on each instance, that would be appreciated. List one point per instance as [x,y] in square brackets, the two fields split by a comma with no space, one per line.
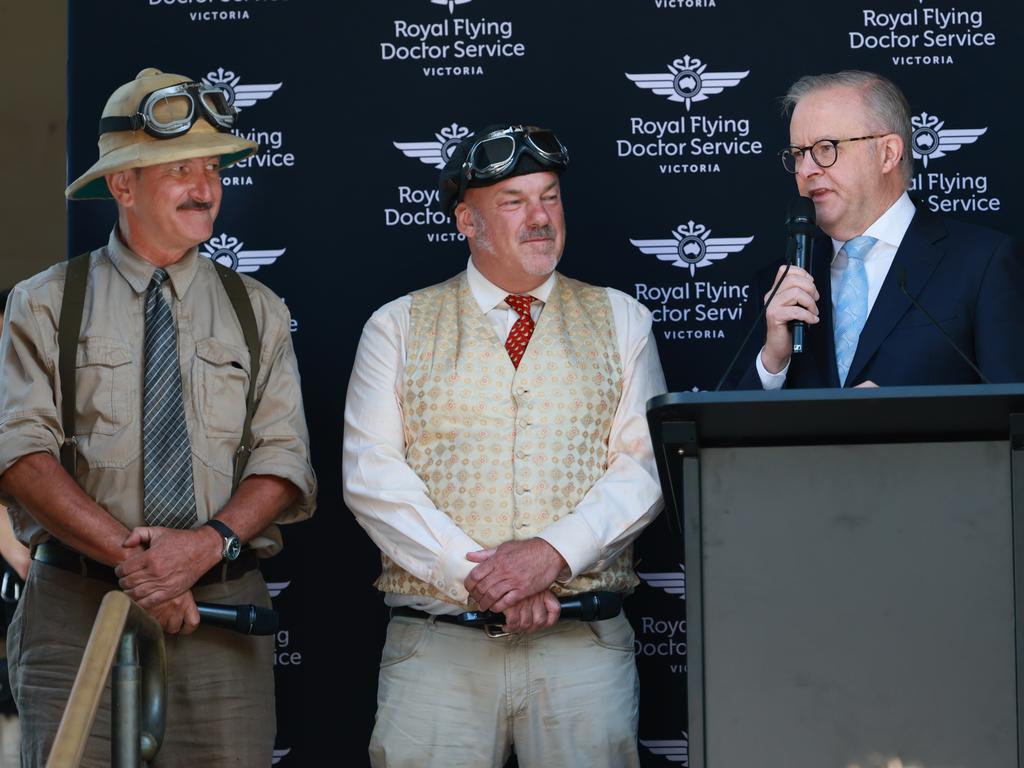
[855,574]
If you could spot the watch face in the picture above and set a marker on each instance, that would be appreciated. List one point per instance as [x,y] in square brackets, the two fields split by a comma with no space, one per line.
[232,548]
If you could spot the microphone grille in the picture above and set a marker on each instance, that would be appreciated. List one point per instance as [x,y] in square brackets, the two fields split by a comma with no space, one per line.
[802,210]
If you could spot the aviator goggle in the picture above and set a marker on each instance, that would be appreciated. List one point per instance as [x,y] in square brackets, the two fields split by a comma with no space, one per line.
[172,111]
[496,153]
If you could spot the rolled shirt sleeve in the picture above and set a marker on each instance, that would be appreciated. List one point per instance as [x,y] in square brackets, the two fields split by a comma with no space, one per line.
[280,435]
[29,387]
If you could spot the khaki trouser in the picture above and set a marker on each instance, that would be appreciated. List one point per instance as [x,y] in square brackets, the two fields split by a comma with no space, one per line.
[450,696]
[220,684]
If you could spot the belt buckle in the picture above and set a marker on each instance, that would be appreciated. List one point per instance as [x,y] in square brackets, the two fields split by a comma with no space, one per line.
[495,631]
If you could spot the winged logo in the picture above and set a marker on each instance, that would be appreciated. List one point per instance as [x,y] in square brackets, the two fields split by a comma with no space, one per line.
[228,251]
[673,582]
[687,80]
[691,246]
[278,755]
[450,3]
[673,750]
[931,140]
[275,588]
[437,152]
[240,96]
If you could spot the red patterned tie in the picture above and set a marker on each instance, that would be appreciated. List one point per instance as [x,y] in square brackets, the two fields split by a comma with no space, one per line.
[522,330]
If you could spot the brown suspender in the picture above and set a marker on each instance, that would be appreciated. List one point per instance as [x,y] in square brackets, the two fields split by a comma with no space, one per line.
[235,289]
[69,328]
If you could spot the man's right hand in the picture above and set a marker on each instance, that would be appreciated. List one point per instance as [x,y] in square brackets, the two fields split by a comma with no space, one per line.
[177,616]
[796,300]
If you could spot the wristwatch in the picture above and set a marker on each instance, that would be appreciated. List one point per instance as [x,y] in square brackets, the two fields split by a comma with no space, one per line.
[232,545]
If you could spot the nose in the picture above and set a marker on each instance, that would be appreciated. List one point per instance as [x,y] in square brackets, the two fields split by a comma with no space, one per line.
[537,213]
[806,167]
[202,187]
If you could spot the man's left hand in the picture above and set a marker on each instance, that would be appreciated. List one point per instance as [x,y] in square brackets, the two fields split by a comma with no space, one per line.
[512,572]
[172,562]
[178,616]
[533,613]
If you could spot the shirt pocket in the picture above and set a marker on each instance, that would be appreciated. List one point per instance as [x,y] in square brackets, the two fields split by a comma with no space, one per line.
[220,379]
[105,378]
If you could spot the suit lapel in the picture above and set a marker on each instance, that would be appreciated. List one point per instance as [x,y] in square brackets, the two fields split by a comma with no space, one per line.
[917,256]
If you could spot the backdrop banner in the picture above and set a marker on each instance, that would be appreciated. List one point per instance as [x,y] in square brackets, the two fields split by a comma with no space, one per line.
[674,195]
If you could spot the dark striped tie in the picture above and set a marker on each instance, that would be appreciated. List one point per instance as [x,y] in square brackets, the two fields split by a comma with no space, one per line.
[168,495]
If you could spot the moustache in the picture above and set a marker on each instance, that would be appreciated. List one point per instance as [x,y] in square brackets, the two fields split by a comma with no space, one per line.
[196,205]
[546,232]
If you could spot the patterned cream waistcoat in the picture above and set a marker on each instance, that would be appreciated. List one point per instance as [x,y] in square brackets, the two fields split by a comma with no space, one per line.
[507,452]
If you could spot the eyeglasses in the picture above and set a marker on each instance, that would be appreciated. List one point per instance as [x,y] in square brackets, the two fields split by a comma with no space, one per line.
[172,111]
[499,151]
[824,152]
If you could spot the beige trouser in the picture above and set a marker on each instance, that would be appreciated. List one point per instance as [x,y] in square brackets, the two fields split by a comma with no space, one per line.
[220,684]
[450,696]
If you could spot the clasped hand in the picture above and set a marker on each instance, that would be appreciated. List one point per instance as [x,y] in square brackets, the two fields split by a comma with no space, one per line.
[160,573]
[515,578]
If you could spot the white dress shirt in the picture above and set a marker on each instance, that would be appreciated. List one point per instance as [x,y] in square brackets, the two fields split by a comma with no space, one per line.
[390,501]
[888,230]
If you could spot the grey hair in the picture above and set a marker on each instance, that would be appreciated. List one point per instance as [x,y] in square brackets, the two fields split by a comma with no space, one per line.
[482,236]
[885,102]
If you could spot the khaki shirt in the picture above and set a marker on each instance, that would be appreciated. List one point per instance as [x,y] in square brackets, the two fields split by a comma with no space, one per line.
[214,379]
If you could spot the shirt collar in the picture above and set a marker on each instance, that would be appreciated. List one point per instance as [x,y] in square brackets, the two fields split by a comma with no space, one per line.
[889,228]
[488,296]
[139,273]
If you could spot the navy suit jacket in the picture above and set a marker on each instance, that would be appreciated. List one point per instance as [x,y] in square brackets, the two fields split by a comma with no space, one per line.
[969,278]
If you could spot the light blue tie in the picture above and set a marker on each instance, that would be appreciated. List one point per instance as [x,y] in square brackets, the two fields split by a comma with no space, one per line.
[851,310]
[168,495]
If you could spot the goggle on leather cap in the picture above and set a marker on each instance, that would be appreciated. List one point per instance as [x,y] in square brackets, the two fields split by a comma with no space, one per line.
[496,153]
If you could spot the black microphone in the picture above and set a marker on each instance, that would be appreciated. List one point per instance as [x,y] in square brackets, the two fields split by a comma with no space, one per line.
[800,230]
[902,280]
[591,606]
[247,619]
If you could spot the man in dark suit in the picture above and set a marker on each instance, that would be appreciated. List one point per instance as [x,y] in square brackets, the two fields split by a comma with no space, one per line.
[850,152]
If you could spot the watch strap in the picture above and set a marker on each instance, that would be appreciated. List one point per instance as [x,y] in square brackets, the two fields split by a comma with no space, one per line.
[225,532]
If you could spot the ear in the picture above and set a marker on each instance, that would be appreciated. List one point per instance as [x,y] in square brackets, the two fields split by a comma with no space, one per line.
[121,186]
[464,220]
[892,152]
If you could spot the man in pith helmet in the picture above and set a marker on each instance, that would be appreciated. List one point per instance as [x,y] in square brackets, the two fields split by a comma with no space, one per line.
[157,454]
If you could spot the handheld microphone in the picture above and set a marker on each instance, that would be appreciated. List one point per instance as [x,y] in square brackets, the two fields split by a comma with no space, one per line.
[247,619]
[902,280]
[589,606]
[800,230]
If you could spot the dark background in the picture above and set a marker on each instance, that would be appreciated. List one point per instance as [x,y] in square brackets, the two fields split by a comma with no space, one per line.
[341,108]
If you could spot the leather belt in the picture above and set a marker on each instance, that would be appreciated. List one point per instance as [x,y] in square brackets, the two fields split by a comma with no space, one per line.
[492,623]
[491,629]
[59,556]
[447,618]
